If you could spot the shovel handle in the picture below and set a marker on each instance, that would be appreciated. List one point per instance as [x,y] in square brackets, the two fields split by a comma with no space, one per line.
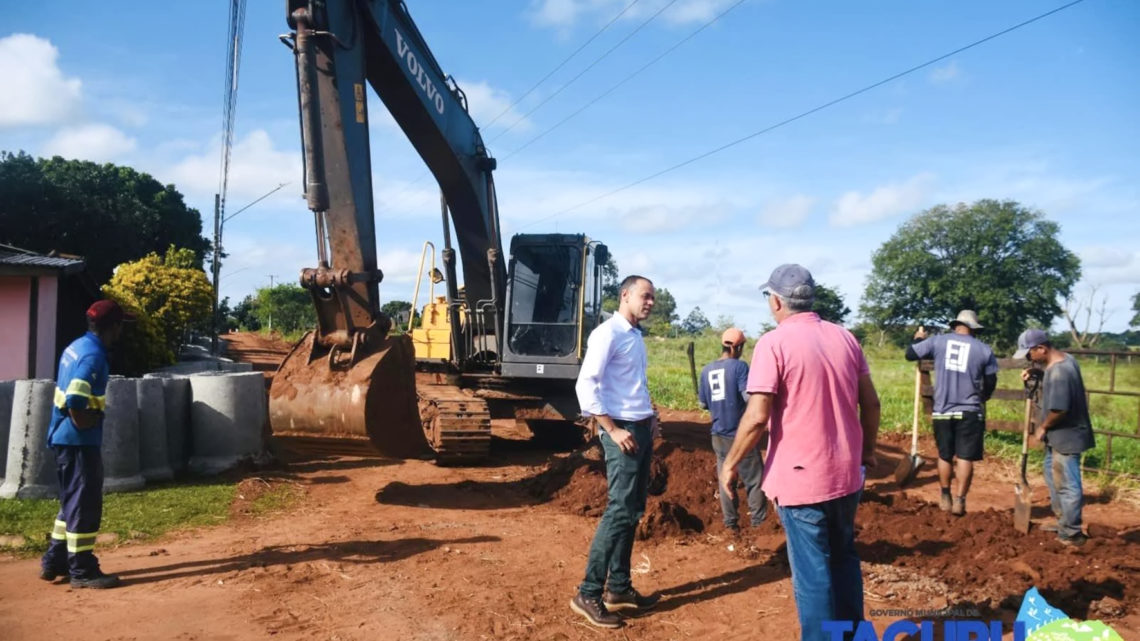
[917,409]
[1025,427]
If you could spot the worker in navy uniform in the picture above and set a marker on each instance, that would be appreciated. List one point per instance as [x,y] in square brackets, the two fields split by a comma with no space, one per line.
[76,437]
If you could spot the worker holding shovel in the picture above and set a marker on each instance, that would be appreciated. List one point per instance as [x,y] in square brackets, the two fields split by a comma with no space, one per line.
[965,375]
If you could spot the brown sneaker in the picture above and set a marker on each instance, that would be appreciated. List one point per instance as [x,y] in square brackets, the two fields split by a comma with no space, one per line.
[944,503]
[1077,540]
[959,507]
[594,611]
[631,600]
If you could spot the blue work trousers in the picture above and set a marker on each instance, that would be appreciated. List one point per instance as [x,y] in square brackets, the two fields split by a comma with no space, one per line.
[80,472]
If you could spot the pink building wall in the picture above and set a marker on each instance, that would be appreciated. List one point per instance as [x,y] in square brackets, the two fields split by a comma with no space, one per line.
[15,298]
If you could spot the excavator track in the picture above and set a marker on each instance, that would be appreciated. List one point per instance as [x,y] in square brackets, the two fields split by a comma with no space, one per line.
[456,424]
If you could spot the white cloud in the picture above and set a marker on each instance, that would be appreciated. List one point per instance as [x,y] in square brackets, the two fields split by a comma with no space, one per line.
[486,103]
[35,90]
[1106,257]
[855,208]
[786,212]
[97,142]
[256,166]
[946,74]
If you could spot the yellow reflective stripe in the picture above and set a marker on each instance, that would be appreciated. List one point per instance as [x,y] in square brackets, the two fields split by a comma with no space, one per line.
[93,402]
[59,533]
[79,387]
[80,542]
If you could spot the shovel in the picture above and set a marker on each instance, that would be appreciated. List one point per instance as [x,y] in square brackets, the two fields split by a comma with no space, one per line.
[908,467]
[1021,490]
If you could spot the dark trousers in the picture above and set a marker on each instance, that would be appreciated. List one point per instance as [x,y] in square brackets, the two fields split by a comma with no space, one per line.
[751,472]
[627,476]
[80,471]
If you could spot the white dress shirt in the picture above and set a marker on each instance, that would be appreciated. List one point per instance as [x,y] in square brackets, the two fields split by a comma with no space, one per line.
[612,380]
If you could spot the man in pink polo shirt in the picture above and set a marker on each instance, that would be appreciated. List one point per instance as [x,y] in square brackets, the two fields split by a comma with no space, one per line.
[809,386]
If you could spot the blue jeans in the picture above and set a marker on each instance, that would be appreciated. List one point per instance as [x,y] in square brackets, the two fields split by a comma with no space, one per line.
[751,470]
[1063,478]
[627,477]
[826,577]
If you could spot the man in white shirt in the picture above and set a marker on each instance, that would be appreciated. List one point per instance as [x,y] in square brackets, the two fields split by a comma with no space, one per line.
[613,388]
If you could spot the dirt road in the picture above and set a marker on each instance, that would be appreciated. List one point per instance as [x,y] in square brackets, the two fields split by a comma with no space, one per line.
[389,549]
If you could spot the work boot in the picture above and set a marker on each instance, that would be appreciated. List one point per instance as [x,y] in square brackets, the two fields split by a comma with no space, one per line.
[51,574]
[96,582]
[631,600]
[1076,540]
[959,507]
[595,612]
[944,502]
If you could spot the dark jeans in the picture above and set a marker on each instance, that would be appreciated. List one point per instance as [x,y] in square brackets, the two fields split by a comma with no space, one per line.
[80,472]
[1066,496]
[826,577]
[751,470]
[627,476]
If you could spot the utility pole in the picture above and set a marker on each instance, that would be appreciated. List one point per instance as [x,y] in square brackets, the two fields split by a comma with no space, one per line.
[271,277]
[216,268]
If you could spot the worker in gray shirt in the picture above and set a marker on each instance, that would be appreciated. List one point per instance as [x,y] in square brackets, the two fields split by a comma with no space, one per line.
[1065,429]
[965,375]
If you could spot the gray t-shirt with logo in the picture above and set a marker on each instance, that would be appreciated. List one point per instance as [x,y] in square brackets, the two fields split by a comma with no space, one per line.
[1063,389]
[960,364]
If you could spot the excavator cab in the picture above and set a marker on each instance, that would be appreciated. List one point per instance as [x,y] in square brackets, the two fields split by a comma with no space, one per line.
[553,302]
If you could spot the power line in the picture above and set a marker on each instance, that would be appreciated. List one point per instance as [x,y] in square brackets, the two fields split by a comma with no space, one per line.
[563,63]
[626,79]
[408,188]
[229,94]
[804,114]
[588,67]
[263,197]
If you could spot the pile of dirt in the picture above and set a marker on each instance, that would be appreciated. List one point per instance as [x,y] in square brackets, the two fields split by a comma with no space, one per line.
[989,564]
[992,564]
[682,490]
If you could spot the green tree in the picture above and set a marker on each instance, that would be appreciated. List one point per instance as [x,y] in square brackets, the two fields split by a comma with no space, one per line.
[996,257]
[395,309]
[696,322]
[243,315]
[829,304]
[611,283]
[664,315]
[108,214]
[286,308]
[1135,322]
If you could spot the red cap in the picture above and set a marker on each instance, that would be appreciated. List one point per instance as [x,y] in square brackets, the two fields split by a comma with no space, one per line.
[107,312]
[732,337]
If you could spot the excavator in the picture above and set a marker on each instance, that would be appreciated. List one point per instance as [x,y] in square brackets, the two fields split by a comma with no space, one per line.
[506,344]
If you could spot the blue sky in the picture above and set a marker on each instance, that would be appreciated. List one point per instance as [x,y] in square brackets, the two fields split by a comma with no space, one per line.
[1048,115]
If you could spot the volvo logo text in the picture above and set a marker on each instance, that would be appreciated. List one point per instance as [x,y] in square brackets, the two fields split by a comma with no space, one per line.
[418,72]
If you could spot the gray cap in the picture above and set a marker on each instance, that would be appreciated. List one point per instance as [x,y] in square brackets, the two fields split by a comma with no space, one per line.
[1029,339]
[967,317]
[791,282]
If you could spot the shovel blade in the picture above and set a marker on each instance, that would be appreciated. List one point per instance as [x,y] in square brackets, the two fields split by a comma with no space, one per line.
[1021,507]
[907,469]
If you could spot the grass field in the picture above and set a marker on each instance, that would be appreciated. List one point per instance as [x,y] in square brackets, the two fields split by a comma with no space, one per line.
[671,386]
[26,523]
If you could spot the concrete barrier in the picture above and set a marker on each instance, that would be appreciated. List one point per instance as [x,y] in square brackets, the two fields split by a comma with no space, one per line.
[7,389]
[227,416]
[30,471]
[176,403]
[121,437]
[189,368]
[154,462]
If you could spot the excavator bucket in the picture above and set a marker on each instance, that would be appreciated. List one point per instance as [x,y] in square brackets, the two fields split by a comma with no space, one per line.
[369,406]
